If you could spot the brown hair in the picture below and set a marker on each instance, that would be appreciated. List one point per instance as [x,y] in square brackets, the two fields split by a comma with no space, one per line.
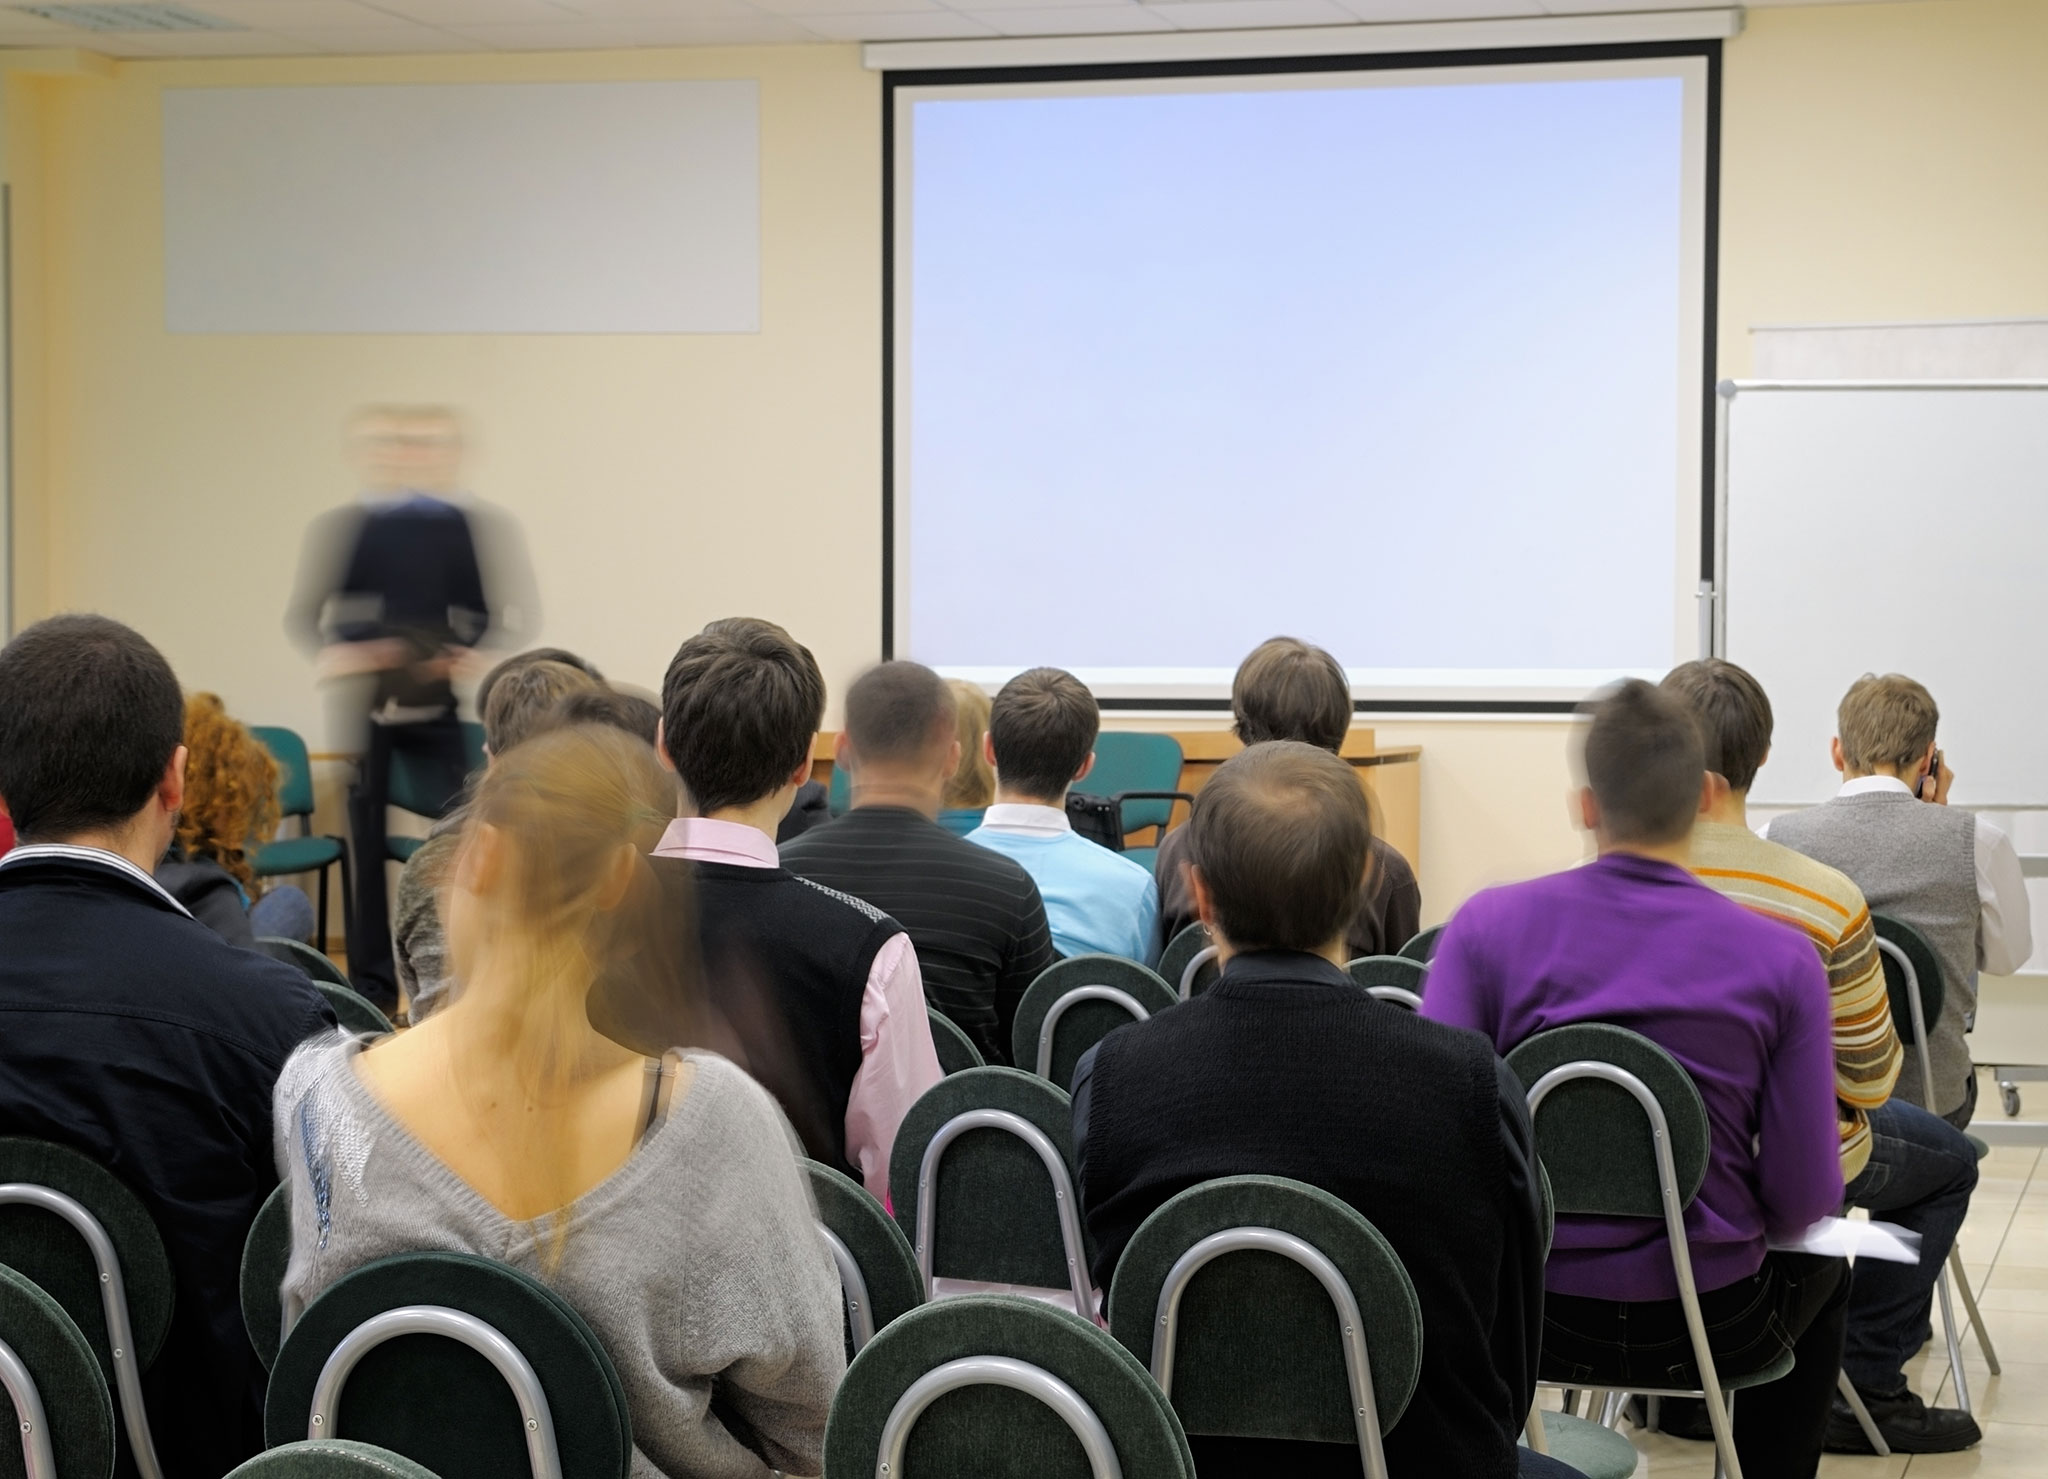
[974,783]
[1885,721]
[1043,725]
[521,699]
[898,711]
[623,711]
[1290,690]
[1733,714]
[1645,762]
[740,705]
[230,789]
[519,660]
[1282,832]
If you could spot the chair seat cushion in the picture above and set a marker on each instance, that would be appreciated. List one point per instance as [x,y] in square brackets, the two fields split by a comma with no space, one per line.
[76,1407]
[401,849]
[296,855]
[1596,1452]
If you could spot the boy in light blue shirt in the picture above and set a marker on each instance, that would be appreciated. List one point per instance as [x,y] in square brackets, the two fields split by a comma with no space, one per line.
[1041,740]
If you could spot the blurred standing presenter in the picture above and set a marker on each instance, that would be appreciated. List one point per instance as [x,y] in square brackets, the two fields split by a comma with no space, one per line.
[395,591]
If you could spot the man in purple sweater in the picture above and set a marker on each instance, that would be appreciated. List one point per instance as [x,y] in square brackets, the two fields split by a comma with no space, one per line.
[1633,939]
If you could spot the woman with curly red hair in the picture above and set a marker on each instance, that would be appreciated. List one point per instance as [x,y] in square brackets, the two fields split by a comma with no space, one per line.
[230,809]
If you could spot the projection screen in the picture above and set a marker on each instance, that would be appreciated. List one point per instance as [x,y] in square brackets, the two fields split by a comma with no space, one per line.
[1407,360]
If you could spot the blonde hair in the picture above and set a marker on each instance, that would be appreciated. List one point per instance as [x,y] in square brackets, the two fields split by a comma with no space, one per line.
[974,783]
[574,920]
[1887,721]
[230,789]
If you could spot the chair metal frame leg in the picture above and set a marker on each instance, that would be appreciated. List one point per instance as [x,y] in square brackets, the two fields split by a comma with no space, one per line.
[1954,1339]
[37,1461]
[320,913]
[1863,1419]
[1955,1267]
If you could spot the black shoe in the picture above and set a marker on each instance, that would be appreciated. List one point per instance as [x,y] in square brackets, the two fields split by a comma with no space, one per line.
[1908,1424]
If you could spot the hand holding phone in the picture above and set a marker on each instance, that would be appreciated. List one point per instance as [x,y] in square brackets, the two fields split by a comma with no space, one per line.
[1931,787]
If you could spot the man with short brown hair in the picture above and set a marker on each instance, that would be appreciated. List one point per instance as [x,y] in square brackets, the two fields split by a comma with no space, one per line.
[1948,873]
[1288,689]
[1285,1067]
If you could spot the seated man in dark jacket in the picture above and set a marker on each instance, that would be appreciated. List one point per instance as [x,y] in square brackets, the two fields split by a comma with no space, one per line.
[1286,1068]
[129,1031]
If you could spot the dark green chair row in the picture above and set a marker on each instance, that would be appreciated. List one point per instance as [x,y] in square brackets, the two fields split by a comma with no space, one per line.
[353,1010]
[1077,1002]
[284,856]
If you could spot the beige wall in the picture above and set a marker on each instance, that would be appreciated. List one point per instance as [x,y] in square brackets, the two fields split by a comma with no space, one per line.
[1879,162]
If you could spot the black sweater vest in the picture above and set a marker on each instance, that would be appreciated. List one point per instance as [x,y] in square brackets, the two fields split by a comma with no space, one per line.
[786,964]
[1295,1072]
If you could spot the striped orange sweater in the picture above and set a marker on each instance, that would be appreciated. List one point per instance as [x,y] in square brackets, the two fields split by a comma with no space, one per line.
[1828,909]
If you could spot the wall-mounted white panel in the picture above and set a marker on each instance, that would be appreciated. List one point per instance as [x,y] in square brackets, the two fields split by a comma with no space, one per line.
[575,208]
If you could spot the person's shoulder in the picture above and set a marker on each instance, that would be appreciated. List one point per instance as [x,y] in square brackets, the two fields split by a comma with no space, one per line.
[829,903]
[1387,858]
[312,1063]
[744,1119]
[1739,851]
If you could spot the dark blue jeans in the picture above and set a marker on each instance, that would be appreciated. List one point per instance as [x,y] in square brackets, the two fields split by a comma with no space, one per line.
[1921,1173]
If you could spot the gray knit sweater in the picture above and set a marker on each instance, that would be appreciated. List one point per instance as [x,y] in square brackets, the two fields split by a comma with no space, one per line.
[698,1262]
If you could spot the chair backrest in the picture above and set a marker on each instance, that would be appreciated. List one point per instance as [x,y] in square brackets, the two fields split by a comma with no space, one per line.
[960,820]
[315,963]
[1267,1308]
[265,1254]
[1001,1388]
[1909,961]
[415,786]
[1595,1138]
[982,1178]
[955,1048]
[877,1269]
[1423,946]
[473,751]
[1182,948]
[1403,971]
[362,1359]
[1125,761]
[839,791]
[1074,1004]
[331,1458]
[294,769]
[53,1400]
[352,1012]
[68,1226]
[1203,970]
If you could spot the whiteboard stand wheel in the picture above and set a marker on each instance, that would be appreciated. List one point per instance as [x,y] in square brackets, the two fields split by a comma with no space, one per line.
[2009,1095]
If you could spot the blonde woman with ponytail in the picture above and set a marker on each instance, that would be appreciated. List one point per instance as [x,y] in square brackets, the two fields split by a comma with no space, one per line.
[660,1195]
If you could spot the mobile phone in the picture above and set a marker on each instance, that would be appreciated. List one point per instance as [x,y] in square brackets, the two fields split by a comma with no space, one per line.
[1930,782]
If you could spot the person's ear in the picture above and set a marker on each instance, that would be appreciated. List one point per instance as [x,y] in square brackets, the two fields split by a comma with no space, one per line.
[953,757]
[170,790]
[1205,902]
[802,773]
[1835,754]
[1712,788]
[1086,766]
[1588,810]
[482,860]
[842,753]
[988,748]
[618,879]
[661,746]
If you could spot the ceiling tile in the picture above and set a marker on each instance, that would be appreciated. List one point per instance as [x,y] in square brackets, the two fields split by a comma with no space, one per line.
[1609,7]
[399,40]
[474,12]
[296,15]
[659,10]
[916,25]
[206,43]
[1074,20]
[1227,15]
[1389,11]
[581,34]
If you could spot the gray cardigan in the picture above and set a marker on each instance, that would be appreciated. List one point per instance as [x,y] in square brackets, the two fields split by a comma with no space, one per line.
[698,1262]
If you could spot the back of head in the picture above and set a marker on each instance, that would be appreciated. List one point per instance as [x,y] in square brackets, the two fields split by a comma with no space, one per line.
[1733,715]
[1290,690]
[1645,764]
[974,784]
[521,700]
[898,713]
[740,705]
[1888,721]
[230,788]
[90,715]
[627,712]
[519,660]
[1283,831]
[1042,726]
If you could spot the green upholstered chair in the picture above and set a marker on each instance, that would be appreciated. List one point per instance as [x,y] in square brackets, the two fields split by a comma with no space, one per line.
[1000,1388]
[305,853]
[1203,970]
[1141,773]
[1913,981]
[955,1048]
[331,1459]
[1593,1450]
[353,1010]
[1621,1131]
[1266,1308]
[1395,978]
[469,1367]
[960,820]
[1191,940]
[982,1178]
[52,1396]
[412,787]
[1423,946]
[1074,1004]
[69,1227]
[265,1253]
[877,1269]
[839,791]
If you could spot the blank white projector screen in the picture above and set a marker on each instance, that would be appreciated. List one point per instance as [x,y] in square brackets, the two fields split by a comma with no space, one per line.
[1405,362]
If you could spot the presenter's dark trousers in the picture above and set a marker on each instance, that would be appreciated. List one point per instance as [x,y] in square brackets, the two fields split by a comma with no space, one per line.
[1795,1300]
[432,752]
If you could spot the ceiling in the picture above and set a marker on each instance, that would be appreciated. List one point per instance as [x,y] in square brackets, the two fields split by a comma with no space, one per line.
[385,27]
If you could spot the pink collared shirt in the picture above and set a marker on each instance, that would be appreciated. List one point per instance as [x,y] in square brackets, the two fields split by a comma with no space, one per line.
[898,1062]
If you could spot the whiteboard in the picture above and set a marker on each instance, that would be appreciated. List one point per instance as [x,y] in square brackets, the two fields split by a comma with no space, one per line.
[599,208]
[1891,527]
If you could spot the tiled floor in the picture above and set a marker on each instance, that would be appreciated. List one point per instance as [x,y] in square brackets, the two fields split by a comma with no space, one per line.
[2005,1251]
